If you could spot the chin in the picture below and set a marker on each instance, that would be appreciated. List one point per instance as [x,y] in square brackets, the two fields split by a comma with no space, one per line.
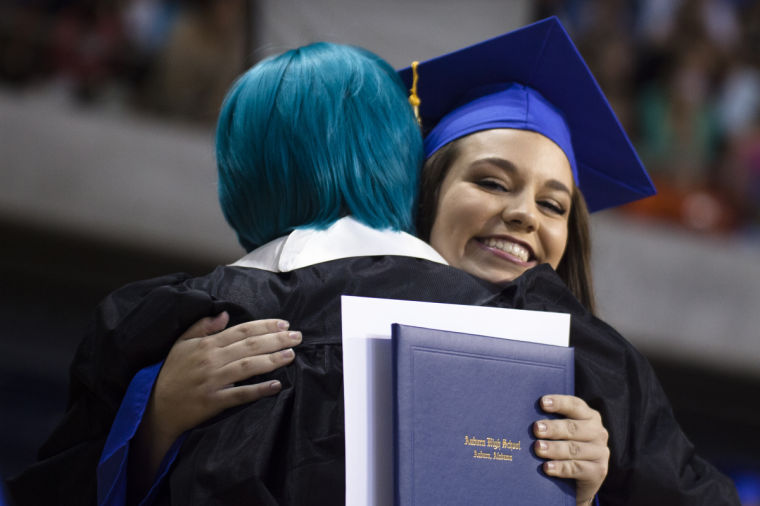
[493,274]
[497,278]
[505,280]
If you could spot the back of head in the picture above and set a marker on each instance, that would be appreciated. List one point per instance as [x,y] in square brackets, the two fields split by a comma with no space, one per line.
[312,135]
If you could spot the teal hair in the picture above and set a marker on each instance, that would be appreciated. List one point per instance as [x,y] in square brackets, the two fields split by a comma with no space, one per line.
[315,134]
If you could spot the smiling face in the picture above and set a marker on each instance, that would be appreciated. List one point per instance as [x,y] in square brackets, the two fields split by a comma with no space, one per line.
[503,205]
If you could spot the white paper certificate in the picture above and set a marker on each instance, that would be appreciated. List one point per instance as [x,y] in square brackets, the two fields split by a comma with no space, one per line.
[368,380]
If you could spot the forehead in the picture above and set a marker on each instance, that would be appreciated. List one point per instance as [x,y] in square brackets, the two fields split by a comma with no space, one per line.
[531,153]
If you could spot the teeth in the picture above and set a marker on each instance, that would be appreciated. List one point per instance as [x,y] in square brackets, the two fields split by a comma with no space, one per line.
[508,247]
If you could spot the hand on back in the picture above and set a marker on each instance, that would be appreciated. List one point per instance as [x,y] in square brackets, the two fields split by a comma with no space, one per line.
[198,379]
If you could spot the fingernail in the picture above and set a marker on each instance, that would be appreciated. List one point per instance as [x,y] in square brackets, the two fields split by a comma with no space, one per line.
[289,353]
[550,465]
[547,402]
[295,336]
[541,427]
[283,325]
[542,445]
[275,385]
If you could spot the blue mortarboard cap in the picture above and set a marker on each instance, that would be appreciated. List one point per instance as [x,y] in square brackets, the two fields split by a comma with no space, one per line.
[510,105]
[471,89]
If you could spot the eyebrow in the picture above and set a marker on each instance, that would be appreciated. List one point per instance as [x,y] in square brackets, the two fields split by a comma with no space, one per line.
[509,167]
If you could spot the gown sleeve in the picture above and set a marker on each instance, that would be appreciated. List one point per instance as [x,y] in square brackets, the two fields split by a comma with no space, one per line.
[147,312]
[652,461]
[112,467]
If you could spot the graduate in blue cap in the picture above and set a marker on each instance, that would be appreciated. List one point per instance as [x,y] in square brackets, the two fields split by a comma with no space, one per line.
[526,82]
[520,144]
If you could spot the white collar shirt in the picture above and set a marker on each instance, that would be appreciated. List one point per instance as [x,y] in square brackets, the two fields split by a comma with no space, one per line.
[345,238]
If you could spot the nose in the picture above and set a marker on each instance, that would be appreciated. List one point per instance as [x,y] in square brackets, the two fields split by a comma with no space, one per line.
[521,213]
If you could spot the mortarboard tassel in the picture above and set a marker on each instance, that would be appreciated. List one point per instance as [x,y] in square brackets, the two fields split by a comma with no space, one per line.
[414,100]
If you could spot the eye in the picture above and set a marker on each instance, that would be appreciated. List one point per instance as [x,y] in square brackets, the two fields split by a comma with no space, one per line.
[552,207]
[492,185]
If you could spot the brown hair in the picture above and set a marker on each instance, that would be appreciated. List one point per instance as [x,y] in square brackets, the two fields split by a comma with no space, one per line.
[575,266]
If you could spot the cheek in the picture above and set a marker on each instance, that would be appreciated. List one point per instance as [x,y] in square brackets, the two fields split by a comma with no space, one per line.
[555,243]
[456,222]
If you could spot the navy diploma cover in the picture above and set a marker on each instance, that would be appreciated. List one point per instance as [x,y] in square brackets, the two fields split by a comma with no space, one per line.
[464,409]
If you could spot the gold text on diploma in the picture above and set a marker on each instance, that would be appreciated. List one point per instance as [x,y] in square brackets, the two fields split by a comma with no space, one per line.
[500,447]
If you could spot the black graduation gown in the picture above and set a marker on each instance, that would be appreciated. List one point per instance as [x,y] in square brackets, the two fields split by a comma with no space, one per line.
[289,448]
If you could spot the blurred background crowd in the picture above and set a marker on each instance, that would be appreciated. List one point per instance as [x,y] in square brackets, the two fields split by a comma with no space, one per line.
[684,79]
[682,75]
[160,56]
